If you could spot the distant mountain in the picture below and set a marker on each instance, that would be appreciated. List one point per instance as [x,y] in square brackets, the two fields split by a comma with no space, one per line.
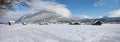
[42,16]
[109,19]
[50,16]
[81,17]
[104,19]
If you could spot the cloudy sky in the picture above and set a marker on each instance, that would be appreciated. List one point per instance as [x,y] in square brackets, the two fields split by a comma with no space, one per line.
[90,8]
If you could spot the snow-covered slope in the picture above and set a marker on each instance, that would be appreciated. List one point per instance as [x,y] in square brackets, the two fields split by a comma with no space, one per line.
[42,16]
[60,33]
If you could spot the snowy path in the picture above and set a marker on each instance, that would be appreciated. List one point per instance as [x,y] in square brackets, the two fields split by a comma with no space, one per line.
[60,33]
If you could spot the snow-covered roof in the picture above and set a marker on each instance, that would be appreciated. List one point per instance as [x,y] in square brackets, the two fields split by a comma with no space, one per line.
[11,21]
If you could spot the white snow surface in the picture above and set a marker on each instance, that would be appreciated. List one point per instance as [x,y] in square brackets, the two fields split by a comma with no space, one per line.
[60,33]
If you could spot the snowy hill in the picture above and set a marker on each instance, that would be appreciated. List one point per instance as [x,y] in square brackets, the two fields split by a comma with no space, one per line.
[60,33]
[42,16]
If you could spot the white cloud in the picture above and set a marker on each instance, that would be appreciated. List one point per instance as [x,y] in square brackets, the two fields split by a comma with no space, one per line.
[50,6]
[36,6]
[115,13]
[95,4]
[98,3]
[106,2]
[84,17]
[100,17]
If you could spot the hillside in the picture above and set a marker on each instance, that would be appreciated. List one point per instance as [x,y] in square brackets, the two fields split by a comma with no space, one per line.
[42,16]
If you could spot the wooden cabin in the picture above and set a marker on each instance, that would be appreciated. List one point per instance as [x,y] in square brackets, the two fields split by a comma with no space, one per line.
[11,22]
[24,23]
[43,23]
[74,23]
[97,23]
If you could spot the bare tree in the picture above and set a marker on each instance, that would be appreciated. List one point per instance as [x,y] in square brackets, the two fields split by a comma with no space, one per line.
[6,5]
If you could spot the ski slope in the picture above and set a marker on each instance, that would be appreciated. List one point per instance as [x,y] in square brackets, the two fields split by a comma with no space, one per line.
[60,33]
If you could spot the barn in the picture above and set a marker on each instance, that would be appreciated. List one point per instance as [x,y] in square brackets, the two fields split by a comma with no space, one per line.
[74,23]
[24,23]
[97,23]
[11,22]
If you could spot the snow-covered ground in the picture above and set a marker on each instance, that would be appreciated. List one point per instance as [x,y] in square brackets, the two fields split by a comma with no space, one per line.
[60,33]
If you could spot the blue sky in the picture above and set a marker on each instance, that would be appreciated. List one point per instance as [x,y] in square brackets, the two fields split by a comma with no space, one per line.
[92,8]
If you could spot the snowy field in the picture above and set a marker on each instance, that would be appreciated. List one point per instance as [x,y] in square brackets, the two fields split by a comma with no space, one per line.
[60,33]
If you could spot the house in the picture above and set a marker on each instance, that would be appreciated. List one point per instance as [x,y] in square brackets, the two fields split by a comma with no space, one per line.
[97,23]
[74,23]
[11,22]
[43,23]
[46,23]
[24,23]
